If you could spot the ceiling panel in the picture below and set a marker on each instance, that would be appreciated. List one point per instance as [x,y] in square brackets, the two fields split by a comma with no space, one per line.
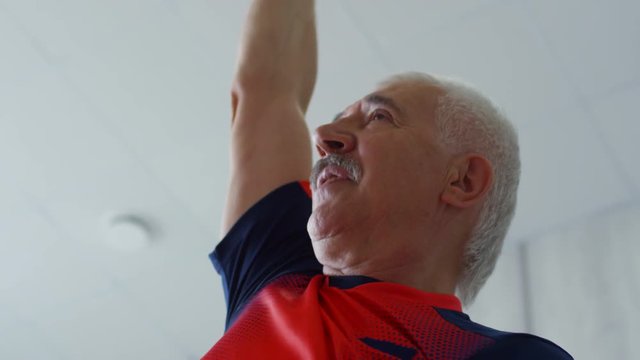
[23,336]
[596,42]
[93,328]
[160,86]
[73,170]
[566,172]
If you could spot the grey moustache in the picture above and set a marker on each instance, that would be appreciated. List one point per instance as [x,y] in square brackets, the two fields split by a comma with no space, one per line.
[350,165]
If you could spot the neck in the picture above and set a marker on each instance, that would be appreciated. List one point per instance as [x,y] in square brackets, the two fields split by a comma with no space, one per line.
[434,271]
[400,254]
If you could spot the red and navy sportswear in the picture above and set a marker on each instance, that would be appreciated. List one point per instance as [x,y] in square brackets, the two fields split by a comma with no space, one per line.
[279,305]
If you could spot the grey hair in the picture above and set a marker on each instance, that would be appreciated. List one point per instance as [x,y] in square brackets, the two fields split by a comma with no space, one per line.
[468,122]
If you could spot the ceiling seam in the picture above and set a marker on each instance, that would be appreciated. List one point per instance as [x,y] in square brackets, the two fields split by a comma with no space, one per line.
[374,45]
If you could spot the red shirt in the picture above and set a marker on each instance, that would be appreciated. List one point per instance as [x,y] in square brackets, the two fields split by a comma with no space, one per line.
[281,306]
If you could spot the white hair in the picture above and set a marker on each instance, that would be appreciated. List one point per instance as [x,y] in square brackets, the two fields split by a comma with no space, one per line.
[468,122]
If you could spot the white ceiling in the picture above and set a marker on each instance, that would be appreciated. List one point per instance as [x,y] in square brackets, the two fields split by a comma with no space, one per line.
[123,106]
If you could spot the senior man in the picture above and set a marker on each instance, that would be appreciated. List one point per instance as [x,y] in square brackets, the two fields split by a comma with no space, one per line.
[409,205]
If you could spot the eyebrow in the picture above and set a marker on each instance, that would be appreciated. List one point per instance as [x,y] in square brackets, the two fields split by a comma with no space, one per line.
[375,99]
[382,100]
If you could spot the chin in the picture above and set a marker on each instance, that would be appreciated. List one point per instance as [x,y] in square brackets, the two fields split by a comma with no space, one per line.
[318,226]
[331,239]
[332,254]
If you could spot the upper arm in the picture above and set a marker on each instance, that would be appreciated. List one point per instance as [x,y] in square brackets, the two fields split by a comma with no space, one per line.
[274,80]
[270,146]
[269,240]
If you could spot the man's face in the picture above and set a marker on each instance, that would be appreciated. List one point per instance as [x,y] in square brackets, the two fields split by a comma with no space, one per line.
[369,216]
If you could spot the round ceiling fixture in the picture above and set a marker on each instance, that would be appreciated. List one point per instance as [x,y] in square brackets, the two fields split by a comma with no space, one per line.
[128,233]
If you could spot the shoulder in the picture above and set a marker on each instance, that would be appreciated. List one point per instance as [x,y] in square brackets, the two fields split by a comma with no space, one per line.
[507,345]
[269,240]
[522,346]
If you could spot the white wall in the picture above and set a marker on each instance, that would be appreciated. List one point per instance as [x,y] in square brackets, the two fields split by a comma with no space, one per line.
[585,286]
[577,286]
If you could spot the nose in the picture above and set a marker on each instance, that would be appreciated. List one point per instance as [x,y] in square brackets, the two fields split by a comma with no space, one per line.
[330,139]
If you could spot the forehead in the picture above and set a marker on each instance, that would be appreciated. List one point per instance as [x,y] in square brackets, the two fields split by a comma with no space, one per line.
[413,101]
[412,97]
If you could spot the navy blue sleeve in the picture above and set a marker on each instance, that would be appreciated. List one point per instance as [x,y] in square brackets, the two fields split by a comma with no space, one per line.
[522,347]
[506,345]
[268,241]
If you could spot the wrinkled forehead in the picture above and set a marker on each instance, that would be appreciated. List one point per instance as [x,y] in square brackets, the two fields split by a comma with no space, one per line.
[411,95]
[414,99]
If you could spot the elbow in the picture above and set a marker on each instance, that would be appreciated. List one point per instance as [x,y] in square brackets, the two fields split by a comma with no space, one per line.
[253,81]
[234,104]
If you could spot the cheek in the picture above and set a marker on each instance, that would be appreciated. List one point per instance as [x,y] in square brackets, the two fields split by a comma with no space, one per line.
[397,169]
[400,168]
[405,183]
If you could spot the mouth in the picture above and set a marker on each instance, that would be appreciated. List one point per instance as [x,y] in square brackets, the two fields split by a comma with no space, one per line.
[331,174]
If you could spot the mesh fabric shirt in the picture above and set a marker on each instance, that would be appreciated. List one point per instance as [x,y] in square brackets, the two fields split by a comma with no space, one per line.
[281,306]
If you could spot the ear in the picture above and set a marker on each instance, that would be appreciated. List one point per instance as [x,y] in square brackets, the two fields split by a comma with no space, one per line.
[468,180]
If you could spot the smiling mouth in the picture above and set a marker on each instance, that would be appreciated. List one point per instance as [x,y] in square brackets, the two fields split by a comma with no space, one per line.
[331,174]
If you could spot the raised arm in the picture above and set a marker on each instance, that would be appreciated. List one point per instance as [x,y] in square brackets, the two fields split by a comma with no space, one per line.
[275,76]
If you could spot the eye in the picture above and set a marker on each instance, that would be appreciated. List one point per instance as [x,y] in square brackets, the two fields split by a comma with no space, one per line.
[380,115]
